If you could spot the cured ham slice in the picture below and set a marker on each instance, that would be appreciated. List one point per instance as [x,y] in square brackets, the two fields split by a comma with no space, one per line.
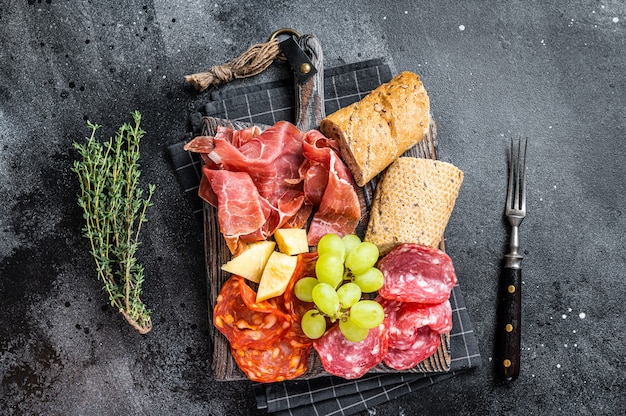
[275,178]
[339,211]
[271,158]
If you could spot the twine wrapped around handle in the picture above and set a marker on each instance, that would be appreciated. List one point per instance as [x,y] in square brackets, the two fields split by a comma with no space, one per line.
[252,62]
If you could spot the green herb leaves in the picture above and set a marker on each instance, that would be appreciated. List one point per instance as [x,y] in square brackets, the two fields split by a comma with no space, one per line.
[114,209]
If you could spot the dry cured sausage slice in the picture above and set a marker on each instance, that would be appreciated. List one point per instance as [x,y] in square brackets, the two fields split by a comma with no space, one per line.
[245,323]
[304,268]
[416,273]
[425,344]
[405,318]
[351,360]
[285,359]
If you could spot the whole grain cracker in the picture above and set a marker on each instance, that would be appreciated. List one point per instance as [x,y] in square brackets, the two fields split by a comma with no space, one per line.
[413,203]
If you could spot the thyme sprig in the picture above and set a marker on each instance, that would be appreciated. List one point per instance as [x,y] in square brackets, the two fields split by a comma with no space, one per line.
[114,209]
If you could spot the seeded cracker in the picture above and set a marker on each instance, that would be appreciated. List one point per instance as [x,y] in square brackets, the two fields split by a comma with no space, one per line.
[413,203]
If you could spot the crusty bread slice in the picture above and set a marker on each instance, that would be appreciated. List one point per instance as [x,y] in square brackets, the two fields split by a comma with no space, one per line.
[375,131]
[413,203]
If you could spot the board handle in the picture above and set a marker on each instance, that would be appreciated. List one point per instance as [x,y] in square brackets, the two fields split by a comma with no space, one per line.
[309,95]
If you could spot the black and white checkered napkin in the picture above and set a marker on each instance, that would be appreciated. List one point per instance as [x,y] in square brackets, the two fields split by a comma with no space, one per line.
[266,104]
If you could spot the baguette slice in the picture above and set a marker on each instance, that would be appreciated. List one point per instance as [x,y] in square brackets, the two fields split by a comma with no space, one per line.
[375,131]
[413,203]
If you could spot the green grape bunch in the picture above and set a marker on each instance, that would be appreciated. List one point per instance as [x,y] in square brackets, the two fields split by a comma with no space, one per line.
[345,276]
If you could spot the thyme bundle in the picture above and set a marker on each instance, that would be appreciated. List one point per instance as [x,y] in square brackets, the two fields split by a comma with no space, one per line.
[114,209]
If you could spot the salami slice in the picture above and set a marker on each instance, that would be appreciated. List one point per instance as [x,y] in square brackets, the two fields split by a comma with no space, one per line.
[285,359]
[426,343]
[416,273]
[351,360]
[405,318]
[245,323]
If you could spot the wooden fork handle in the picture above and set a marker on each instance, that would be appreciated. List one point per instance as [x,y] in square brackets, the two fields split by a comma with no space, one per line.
[508,332]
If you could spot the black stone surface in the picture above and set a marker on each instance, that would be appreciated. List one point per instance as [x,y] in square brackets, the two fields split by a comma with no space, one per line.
[552,71]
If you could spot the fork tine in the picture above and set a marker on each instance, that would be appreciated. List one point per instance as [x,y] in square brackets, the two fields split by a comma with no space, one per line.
[518,165]
[509,190]
[523,186]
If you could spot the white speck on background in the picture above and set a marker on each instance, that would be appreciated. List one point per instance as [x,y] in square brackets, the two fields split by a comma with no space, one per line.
[615,19]
[574,331]
[554,186]
[384,17]
[569,309]
[558,366]
[582,315]
[461,27]
[565,345]
[575,345]
[406,12]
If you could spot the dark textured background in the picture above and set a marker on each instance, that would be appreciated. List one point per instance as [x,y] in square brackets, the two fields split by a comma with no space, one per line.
[554,71]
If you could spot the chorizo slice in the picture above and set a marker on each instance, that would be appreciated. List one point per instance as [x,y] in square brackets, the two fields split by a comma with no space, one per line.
[304,268]
[285,359]
[244,323]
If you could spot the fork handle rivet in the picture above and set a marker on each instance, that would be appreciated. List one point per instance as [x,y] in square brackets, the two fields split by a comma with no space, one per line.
[511,289]
[508,328]
[506,363]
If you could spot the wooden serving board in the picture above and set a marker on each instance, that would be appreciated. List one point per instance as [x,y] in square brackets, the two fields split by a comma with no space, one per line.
[223,365]
[309,106]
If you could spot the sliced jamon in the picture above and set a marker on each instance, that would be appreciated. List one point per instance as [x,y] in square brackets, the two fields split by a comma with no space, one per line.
[272,158]
[293,174]
[425,344]
[339,210]
[348,359]
[416,273]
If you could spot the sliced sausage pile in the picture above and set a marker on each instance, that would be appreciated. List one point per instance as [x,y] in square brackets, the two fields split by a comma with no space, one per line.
[268,344]
[415,297]
[265,337]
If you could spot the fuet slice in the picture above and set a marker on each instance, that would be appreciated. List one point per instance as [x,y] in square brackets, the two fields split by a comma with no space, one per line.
[251,262]
[276,276]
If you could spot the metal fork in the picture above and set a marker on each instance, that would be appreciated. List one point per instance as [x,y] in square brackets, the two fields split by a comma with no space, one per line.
[509,326]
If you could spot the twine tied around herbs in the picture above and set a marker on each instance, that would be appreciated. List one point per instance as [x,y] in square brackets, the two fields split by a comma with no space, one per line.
[252,62]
